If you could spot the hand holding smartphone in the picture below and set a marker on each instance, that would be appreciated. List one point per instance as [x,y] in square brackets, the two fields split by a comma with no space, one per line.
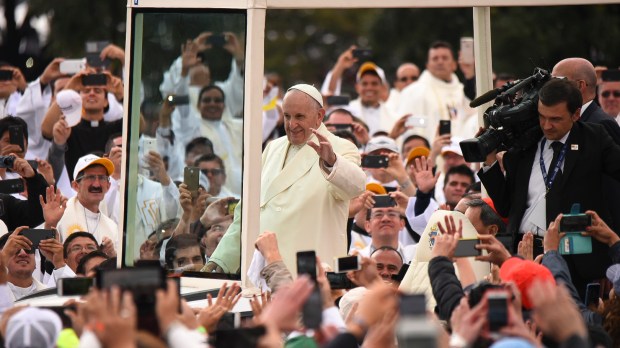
[191,178]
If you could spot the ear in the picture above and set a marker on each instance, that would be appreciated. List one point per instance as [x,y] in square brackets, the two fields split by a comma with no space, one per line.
[367,225]
[74,185]
[493,229]
[321,115]
[577,115]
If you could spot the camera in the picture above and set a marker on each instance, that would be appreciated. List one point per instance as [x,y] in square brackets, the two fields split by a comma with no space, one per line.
[512,122]
[7,161]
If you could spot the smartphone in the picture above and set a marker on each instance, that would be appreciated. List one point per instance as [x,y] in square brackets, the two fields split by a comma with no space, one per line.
[467,50]
[335,100]
[401,274]
[16,136]
[178,99]
[306,263]
[6,75]
[60,311]
[611,75]
[232,204]
[72,66]
[497,315]
[375,161]
[384,201]
[94,60]
[347,263]
[339,281]
[575,222]
[467,248]
[143,282]
[74,286]
[237,338]
[37,235]
[444,127]
[150,145]
[191,177]
[312,310]
[94,80]
[412,305]
[593,292]
[362,54]
[414,121]
[341,127]
[217,40]
[10,186]
[34,164]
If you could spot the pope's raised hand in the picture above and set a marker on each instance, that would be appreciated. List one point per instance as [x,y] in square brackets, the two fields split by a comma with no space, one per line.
[323,148]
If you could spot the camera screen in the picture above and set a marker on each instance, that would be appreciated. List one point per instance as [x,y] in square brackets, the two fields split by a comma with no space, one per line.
[467,248]
[76,286]
[306,263]
[348,263]
[575,223]
[498,313]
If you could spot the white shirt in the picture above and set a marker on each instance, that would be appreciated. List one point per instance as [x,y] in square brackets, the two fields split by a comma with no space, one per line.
[534,218]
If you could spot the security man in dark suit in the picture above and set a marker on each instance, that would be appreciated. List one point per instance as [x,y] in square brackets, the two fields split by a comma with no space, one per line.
[564,167]
[582,72]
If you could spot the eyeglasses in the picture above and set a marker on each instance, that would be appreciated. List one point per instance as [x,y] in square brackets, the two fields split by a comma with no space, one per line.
[380,215]
[408,78]
[92,178]
[606,94]
[214,172]
[212,100]
[79,248]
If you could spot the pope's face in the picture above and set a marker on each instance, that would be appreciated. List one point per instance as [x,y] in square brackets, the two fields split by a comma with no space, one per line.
[301,113]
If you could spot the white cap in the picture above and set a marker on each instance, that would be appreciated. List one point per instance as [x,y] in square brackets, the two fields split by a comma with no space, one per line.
[33,327]
[381,142]
[454,147]
[309,90]
[70,104]
[90,160]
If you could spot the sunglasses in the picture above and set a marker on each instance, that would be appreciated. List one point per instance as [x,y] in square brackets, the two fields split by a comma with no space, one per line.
[606,94]
[408,78]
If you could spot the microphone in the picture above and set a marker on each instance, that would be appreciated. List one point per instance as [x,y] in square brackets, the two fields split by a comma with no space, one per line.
[487,97]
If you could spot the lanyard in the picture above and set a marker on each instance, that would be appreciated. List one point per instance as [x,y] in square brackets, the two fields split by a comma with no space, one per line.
[549,180]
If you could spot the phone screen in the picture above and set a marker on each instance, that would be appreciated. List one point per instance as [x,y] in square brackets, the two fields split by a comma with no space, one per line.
[16,136]
[498,310]
[12,186]
[593,292]
[347,263]
[467,248]
[74,286]
[384,201]
[306,263]
[575,223]
[444,127]
[339,281]
[372,161]
[232,204]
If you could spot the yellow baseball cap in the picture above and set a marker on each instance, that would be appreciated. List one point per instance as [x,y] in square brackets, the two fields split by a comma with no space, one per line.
[418,152]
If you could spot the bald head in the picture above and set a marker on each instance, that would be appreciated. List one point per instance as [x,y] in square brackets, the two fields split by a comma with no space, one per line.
[406,74]
[581,71]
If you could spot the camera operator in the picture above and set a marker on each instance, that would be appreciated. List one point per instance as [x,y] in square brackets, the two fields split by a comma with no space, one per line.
[16,212]
[553,179]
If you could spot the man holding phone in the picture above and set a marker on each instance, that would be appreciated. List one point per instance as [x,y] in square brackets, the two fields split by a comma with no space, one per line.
[92,132]
[308,179]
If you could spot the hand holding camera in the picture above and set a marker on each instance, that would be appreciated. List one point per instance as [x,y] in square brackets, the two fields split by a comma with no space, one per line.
[600,231]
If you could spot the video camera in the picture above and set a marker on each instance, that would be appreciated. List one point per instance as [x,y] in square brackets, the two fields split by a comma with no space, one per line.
[512,122]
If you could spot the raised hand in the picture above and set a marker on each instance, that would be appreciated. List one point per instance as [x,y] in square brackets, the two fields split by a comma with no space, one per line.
[323,148]
[423,174]
[53,206]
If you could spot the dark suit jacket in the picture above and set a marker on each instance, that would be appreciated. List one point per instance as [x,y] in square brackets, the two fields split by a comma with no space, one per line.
[591,152]
[611,195]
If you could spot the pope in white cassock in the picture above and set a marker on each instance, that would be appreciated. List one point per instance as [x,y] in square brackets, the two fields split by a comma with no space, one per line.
[307,181]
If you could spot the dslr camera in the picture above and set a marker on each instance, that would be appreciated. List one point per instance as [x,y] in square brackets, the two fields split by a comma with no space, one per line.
[7,161]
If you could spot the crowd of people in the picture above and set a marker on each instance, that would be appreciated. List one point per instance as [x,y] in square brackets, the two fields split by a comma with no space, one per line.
[381,177]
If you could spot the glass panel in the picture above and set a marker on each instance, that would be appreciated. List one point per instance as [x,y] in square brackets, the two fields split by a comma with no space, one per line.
[186,128]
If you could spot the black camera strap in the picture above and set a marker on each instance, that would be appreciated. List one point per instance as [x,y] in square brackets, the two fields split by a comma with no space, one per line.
[556,169]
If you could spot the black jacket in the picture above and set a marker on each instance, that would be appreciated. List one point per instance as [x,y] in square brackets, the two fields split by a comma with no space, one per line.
[447,288]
